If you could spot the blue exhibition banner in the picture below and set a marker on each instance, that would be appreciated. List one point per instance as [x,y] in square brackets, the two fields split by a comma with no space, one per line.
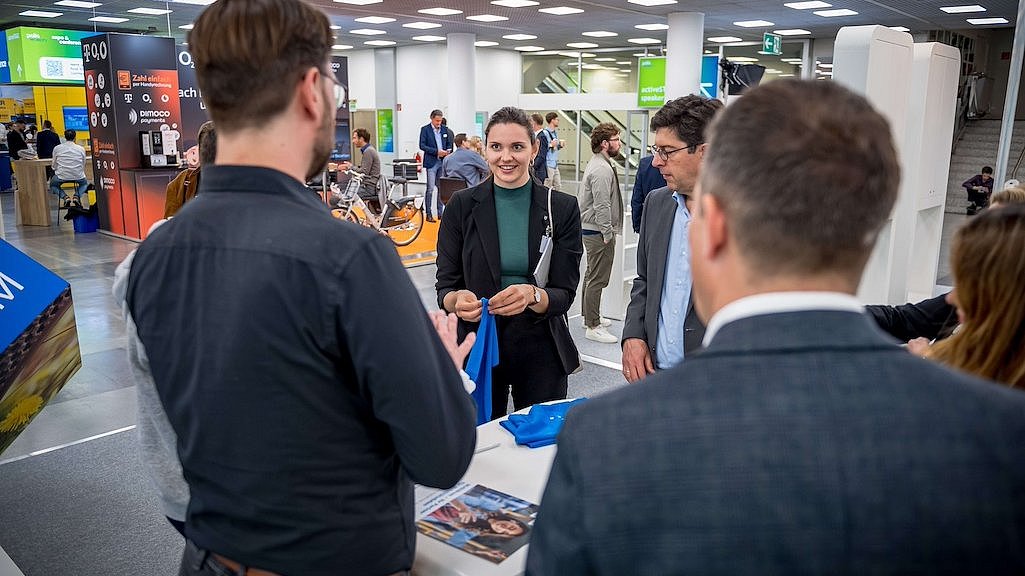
[709,76]
[26,290]
[5,65]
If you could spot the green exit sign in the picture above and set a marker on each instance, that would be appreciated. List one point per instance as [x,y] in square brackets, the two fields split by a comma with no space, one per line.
[772,44]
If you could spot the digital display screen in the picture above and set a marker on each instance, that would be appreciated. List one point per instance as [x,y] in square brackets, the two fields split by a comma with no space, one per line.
[76,118]
[45,55]
[343,143]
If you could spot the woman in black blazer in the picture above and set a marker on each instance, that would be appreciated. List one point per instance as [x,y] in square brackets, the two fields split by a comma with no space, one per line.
[488,247]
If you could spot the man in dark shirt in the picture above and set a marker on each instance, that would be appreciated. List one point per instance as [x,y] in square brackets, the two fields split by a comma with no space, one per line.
[47,140]
[16,140]
[979,188]
[293,357]
[648,178]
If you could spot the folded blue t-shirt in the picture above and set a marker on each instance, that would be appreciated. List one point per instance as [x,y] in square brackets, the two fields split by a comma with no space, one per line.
[541,425]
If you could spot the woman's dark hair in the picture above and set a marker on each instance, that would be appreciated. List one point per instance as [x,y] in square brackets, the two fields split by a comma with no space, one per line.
[510,115]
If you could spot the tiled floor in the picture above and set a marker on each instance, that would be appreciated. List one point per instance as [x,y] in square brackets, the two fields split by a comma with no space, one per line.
[100,398]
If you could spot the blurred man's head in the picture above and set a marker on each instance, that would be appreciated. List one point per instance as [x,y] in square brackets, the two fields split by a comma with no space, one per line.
[360,137]
[267,62]
[679,129]
[207,143]
[790,201]
[463,141]
[436,117]
[47,125]
[536,121]
[69,135]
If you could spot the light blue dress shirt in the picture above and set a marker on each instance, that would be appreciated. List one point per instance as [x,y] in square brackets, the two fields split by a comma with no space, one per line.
[672,310]
[552,157]
[437,139]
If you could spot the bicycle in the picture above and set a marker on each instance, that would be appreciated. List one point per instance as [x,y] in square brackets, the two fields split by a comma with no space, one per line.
[402,218]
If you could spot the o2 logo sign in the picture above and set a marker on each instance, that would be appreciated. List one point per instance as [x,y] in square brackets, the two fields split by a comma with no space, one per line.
[185,59]
[94,51]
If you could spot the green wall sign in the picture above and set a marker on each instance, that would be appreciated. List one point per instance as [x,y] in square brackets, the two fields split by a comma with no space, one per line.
[45,56]
[651,82]
[385,131]
[772,44]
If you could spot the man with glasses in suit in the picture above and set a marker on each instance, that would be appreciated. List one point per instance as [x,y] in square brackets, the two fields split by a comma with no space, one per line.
[661,325]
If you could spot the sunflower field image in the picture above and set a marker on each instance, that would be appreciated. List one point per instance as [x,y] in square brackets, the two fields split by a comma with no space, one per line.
[39,348]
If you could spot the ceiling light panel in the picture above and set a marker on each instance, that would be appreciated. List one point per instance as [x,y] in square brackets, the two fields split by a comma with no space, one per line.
[652,2]
[422,25]
[150,11]
[428,38]
[754,23]
[40,14]
[359,2]
[486,18]
[374,20]
[652,26]
[599,34]
[808,5]
[984,21]
[581,45]
[835,13]
[484,43]
[515,3]
[186,26]
[604,59]
[367,32]
[108,19]
[379,43]
[529,48]
[962,9]
[791,32]
[644,40]
[724,39]
[440,11]
[78,4]
[341,47]
[519,37]
[560,10]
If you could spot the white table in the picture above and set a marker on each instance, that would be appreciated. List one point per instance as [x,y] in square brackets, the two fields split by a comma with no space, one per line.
[516,470]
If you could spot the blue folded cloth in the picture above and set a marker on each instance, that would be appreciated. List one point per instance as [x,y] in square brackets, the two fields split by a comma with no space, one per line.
[483,357]
[541,425]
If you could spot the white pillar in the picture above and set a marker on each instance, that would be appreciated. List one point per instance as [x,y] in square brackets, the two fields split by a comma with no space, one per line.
[684,40]
[462,74]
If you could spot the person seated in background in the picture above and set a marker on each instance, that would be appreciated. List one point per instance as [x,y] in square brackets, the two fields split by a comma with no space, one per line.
[69,166]
[370,161]
[47,140]
[465,163]
[933,318]
[979,188]
[988,263]
[16,140]
[186,184]
[800,440]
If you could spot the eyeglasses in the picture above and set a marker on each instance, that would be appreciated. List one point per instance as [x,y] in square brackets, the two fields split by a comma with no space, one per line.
[664,153]
[340,99]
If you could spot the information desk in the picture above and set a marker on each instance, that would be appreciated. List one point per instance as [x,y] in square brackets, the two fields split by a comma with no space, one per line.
[516,470]
[32,200]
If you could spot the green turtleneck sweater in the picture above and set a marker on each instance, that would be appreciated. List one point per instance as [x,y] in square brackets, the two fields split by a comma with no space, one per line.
[512,210]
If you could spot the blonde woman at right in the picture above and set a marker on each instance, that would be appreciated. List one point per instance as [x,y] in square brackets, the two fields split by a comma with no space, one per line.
[1015,195]
[988,262]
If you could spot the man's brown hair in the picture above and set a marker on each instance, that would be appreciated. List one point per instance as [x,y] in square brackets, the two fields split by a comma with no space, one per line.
[249,53]
[807,191]
[207,141]
[363,133]
[537,119]
[460,139]
[601,133]
[551,116]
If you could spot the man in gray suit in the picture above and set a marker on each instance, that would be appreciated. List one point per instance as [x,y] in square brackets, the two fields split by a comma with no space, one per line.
[800,441]
[661,325]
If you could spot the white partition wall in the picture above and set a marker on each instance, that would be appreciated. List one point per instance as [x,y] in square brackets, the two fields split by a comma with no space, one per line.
[877,62]
[930,136]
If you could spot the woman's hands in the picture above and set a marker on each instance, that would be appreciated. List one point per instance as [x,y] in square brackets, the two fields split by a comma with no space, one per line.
[467,306]
[513,300]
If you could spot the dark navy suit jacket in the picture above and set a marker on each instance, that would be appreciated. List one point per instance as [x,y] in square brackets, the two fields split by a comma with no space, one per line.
[430,146]
[648,179]
[795,443]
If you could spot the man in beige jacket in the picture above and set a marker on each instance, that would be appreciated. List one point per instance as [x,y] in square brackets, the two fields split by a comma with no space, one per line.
[601,218]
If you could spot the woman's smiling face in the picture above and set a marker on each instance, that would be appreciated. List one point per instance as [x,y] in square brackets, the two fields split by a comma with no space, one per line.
[509,151]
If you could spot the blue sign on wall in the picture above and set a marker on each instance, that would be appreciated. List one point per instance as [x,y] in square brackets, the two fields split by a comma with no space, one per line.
[5,66]
[709,76]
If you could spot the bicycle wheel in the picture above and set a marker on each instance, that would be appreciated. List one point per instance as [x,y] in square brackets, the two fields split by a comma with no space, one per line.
[404,234]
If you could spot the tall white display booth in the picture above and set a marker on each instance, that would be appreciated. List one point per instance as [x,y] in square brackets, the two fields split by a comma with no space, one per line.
[914,87]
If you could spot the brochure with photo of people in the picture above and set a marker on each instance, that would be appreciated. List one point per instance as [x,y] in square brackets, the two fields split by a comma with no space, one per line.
[484,522]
